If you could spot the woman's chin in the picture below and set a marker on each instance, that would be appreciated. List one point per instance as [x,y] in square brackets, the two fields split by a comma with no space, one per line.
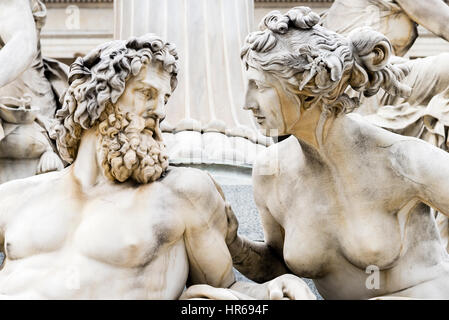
[270,132]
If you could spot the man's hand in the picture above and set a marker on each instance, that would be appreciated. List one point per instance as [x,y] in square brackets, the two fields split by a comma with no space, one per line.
[233,225]
[203,292]
[289,287]
[286,287]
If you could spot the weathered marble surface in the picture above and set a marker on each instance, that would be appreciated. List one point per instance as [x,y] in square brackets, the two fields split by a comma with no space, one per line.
[242,201]
[343,196]
[119,223]
[241,198]
[423,114]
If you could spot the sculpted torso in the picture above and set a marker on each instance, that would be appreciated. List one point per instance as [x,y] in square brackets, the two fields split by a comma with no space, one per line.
[74,245]
[333,215]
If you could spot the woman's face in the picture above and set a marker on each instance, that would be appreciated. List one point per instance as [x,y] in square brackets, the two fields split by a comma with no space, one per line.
[273,108]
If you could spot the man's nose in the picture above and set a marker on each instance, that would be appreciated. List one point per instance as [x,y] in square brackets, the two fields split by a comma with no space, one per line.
[159,110]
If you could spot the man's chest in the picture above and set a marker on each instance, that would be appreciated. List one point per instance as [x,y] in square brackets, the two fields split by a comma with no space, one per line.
[121,233]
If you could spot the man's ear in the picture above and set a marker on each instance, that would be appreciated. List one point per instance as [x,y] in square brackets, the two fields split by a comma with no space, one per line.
[371,49]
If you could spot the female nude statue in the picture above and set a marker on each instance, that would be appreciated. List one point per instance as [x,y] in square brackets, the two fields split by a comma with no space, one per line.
[345,201]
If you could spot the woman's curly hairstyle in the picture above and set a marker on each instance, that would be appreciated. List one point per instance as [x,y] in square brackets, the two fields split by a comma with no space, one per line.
[98,80]
[318,63]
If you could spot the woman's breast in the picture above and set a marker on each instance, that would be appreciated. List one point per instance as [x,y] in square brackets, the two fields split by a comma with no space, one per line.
[308,242]
[370,239]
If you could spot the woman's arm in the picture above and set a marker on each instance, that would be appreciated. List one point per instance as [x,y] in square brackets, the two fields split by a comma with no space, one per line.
[18,32]
[426,169]
[431,14]
[258,261]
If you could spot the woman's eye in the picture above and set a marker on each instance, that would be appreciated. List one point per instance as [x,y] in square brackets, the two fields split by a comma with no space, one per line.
[261,86]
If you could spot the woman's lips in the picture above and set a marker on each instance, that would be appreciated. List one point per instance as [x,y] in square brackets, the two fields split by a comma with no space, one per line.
[259,119]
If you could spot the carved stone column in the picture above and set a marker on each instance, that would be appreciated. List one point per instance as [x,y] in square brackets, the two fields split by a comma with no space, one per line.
[205,114]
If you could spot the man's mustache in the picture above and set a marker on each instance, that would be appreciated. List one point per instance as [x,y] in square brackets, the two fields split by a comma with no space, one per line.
[152,127]
[147,124]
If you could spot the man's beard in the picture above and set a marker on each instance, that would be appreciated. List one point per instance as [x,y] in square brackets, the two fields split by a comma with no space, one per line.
[131,147]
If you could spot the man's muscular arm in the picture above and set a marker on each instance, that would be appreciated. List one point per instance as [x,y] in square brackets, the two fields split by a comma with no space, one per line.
[209,258]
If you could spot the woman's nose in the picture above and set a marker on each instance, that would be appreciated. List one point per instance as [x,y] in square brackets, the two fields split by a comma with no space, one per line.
[252,105]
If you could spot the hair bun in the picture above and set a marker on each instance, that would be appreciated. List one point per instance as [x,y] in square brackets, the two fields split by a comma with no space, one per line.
[299,17]
[303,17]
[276,22]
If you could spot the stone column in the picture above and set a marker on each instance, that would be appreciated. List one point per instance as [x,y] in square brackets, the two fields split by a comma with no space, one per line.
[205,113]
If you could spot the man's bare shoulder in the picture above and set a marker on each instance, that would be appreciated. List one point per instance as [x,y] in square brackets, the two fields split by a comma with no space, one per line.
[202,199]
[191,184]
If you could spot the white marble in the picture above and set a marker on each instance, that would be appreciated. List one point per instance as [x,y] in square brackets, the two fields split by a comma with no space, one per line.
[29,88]
[118,222]
[208,35]
[423,114]
[343,203]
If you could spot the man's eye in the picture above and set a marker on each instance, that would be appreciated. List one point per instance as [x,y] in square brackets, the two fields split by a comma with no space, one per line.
[147,93]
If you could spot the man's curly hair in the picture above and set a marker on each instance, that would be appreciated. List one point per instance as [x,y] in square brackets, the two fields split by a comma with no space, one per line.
[98,80]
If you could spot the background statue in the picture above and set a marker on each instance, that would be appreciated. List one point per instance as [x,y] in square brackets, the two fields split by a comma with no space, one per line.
[346,197]
[425,113]
[29,92]
[119,222]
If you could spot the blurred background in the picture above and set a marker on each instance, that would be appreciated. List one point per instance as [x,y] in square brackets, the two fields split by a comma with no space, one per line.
[74,27]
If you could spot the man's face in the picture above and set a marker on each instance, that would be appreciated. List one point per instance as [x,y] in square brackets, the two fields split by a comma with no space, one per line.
[147,93]
[131,145]
[273,109]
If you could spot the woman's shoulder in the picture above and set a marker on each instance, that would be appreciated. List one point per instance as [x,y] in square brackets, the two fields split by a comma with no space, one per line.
[359,127]
[278,158]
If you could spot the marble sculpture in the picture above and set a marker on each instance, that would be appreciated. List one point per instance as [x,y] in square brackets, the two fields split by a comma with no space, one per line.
[30,87]
[345,196]
[423,114]
[119,222]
